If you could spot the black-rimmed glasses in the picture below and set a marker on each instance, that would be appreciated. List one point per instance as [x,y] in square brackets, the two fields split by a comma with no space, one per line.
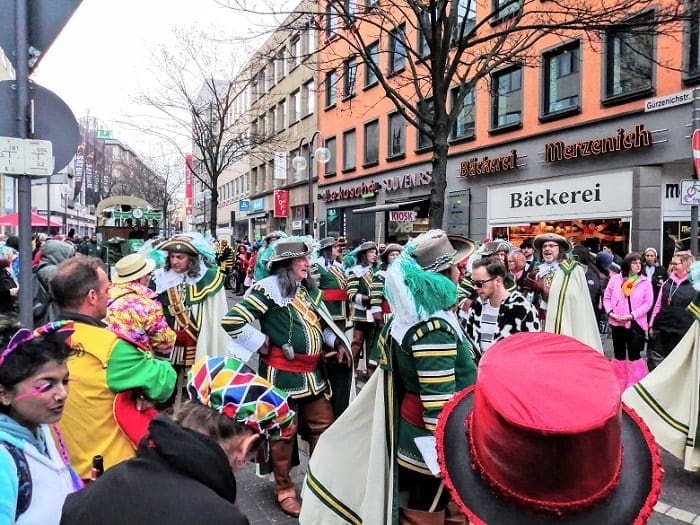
[480,284]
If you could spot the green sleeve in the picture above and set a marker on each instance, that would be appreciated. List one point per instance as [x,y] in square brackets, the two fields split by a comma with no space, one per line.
[129,368]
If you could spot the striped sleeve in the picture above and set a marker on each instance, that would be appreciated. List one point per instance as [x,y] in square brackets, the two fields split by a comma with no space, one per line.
[315,273]
[353,286]
[434,350]
[237,322]
[466,290]
[376,292]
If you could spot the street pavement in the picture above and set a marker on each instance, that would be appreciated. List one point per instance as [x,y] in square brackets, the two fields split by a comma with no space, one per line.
[679,502]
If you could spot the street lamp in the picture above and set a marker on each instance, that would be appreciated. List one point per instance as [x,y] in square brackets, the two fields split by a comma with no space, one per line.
[206,193]
[299,163]
[64,193]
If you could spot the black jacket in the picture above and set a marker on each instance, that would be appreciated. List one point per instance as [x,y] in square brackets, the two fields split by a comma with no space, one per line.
[177,477]
[7,300]
[673,317]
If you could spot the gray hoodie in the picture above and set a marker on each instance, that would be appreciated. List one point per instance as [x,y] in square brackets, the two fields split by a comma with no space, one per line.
[53,253]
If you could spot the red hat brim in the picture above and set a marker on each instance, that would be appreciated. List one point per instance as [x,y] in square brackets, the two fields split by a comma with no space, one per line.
[632,501]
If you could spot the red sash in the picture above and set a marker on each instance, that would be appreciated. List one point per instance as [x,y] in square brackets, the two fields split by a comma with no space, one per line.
[412,409]
[386,309]
[335,295]
[301,363]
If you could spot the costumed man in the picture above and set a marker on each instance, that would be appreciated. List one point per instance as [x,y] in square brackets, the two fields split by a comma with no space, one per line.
[193,298]
[359,291]
[328,273]
[296,335]
[260,270]
[668,398]
[425,360]
[379,304]
[224,257]
[561,292]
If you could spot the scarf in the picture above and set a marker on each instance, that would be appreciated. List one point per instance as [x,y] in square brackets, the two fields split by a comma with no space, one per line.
[629,284]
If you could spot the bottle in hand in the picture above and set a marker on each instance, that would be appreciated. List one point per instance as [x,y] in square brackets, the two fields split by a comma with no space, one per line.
[97,468]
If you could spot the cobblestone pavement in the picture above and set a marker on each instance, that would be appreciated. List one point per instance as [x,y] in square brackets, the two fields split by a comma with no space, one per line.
[679,502]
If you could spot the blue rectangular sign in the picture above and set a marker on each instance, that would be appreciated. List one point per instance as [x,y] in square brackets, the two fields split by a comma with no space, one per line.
[258,204]
[243,205]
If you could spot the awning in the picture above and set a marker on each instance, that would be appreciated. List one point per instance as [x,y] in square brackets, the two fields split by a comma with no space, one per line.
[387,207]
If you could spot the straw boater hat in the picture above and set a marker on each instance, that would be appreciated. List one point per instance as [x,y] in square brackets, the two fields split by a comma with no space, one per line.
[179,244]
[284,249]
[132,267]
[551,444]
[327,242]
[439,251]
[391,247]
[564,244]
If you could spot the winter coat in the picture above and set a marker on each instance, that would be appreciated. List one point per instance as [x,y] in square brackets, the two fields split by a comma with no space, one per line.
[53,253]
[641,301]
[178,477]
[7,282]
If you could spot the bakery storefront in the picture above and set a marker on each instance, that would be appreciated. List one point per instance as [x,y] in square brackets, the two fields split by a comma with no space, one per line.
[391,207]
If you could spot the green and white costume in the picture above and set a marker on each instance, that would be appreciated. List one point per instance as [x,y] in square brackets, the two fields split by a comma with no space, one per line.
[331,277]
[359,285]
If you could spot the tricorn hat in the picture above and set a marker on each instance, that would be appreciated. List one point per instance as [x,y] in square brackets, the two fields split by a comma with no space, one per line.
[327,242]
[288,248]
[391,247]
[564,244]
[179,244]
[439,251]
[551,444]
[493,247]
[132,267]
[366,246]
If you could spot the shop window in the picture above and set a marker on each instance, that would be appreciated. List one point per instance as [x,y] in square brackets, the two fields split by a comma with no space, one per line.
[426,107]
[629,59]
[464,123]
[397,135]
[349,73]
[505,8]
[371,143]
[693,69]
[397,49]
[330,86]
[507,98]
[331,164]
[562,81]
[373,55]
[349,142]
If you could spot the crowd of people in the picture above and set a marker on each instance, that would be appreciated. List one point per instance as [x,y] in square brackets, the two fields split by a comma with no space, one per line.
[372,349]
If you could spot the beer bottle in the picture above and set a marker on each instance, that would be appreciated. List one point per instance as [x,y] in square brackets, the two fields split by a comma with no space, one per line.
[97,468]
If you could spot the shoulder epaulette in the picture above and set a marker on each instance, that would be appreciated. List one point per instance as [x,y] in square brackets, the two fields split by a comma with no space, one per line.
[431,325]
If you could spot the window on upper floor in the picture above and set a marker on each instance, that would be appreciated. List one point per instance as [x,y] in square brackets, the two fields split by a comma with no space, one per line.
[507,98]
[369,4]
[349,74]
[261,126]
[270,75]
[427,108]
[397,49]
[505,8]
[330,166]
[308,98]
[464,123]
[330,87]
[373,55]
[331,20]
[351,10]
[281,114]
[272,120]
[561,90]
[466,12]
[254,179]
[280,66]
[294,107]
[693,67]
[629,59]
[371,143]
[294,52]
[397,135]
[349,147]
[423,48]
[261,83]
[311,37]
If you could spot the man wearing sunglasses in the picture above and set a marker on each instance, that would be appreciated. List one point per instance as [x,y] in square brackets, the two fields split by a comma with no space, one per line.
[497,313]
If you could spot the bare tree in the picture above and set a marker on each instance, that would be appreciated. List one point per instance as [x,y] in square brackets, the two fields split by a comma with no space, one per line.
[448,48]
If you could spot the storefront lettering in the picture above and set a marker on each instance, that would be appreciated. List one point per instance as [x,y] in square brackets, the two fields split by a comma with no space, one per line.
[621,141]
[364,190]
[474,166]
[528,199]
[422,178]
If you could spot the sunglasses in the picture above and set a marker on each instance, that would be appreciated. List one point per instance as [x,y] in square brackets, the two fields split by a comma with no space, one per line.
[480,284]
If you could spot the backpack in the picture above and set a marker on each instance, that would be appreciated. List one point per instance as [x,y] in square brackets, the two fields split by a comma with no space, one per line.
[24,479]
[41,299]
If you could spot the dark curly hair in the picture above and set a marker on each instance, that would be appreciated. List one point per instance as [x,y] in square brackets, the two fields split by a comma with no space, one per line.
[29,357]
[192,265]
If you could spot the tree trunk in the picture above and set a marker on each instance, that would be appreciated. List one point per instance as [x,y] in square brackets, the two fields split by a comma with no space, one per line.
[214,205]
[439,182]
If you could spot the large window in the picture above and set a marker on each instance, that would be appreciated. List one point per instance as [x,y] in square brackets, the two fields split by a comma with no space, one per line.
[373,55]
[397,49]
[330,87]
[331,164]
[504,8]
[562,82]
[427,109]
[694,44]
[464,124]
[349,150]
[371,143]
[507,97]
[397,135]
[349,74]
[629,58]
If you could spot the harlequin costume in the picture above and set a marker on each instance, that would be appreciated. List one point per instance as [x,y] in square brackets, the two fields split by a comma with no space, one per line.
[332,282]
[668,399]
[300,324]
[564,398]
[425,358]
[193,305]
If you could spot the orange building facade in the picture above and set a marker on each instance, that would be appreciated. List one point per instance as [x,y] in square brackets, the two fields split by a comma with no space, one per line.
[589,141]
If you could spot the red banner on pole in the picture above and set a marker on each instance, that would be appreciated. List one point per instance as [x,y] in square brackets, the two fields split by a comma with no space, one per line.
[281,203]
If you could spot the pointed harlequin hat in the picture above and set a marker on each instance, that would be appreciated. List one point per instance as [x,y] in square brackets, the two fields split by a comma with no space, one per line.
[552,444]
[233,389]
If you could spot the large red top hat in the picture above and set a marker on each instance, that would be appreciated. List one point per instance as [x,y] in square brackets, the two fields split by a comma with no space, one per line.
[543,438]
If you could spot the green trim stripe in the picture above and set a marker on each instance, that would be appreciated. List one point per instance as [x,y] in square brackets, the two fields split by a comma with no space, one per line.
[560,303]
[330,501]
[659,410]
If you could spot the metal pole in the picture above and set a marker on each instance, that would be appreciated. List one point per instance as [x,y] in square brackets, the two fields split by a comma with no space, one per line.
[311,190]
[694,208]
[24,183]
